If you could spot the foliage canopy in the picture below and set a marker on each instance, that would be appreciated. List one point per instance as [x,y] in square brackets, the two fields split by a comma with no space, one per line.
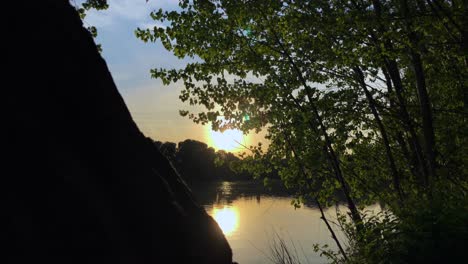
[365,99]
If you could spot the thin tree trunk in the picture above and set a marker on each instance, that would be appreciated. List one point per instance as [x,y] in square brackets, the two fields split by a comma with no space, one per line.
[464,50]
[426,112]
[331,153]
[383,132]
[323,217]
[394,73]
[424,100]
[437,7]
[399,136]
[391,66]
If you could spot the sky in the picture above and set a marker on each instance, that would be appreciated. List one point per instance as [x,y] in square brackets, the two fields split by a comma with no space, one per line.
[154,107]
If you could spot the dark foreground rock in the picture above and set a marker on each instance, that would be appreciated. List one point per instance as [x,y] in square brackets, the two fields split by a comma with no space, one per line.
[80,182]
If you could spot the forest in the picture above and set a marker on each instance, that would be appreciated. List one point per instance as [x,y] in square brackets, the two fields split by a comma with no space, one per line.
[195,161]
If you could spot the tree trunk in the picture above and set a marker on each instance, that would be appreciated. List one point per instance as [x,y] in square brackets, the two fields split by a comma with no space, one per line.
[330,152]
[411,160]
[383,133]
[391,67]
[81,183]
[323,217]
[424,101]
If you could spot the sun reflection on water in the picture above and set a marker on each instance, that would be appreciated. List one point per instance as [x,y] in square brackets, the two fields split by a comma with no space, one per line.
[227,219]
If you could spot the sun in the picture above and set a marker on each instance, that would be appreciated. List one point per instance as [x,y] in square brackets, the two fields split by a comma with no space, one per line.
[228,140]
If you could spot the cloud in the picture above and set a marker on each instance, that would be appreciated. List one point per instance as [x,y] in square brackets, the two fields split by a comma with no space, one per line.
[151,25]
[130,9]
[133,11]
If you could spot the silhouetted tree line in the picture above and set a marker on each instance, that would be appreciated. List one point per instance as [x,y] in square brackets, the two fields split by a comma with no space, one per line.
[195,161]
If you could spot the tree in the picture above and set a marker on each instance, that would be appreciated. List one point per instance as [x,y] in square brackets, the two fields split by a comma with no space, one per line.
[197,162]
[367,98]
[169,150]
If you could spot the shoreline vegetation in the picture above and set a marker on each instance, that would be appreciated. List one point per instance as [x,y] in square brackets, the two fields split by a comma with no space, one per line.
[198,164]
[195,161]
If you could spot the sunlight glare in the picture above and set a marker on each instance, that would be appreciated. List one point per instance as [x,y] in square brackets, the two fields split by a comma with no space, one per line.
[229,140]
[227,219]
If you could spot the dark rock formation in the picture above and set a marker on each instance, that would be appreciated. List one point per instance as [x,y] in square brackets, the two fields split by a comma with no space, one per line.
[80,182]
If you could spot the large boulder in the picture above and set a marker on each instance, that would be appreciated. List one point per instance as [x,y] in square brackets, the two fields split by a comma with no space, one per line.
[80,182]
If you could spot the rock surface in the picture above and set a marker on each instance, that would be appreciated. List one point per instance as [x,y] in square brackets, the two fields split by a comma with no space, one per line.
[80,182]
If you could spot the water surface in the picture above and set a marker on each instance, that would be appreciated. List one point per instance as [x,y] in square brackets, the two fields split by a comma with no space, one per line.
[251,216]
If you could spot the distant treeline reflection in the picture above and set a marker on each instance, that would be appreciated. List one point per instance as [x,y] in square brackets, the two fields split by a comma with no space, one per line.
[222,192]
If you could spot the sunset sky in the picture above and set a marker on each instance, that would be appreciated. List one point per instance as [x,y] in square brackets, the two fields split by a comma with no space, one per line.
[154,107]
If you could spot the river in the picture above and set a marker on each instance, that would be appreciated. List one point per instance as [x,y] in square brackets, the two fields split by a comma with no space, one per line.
[251,216]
